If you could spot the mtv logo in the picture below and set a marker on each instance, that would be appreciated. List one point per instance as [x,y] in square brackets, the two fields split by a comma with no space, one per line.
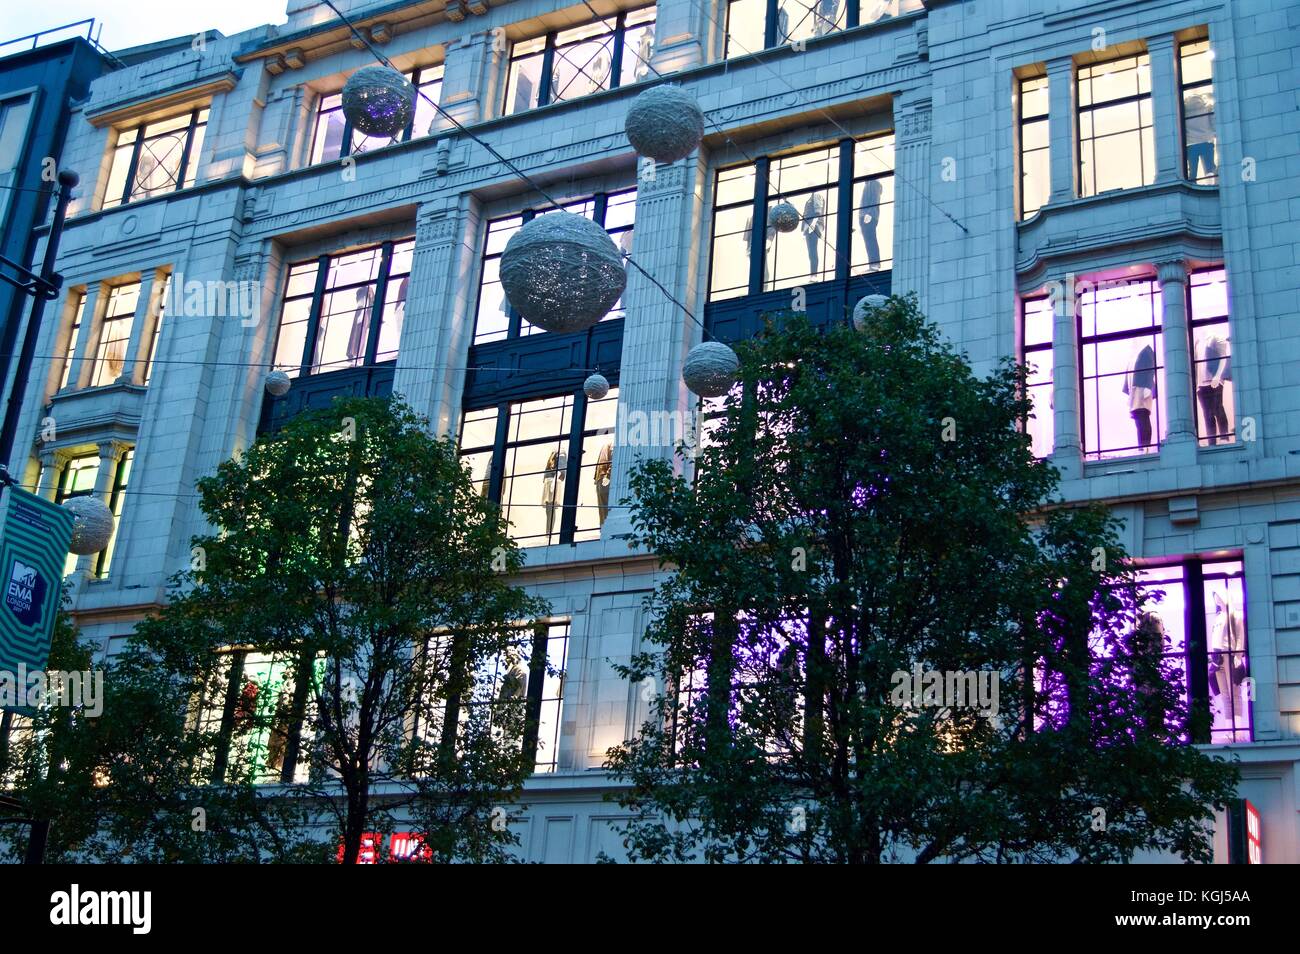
[23,574]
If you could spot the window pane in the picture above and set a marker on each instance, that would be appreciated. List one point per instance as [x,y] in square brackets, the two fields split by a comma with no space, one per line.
[115,332]
[583,67]
[597,462]
[1212,358]
[1123,368]
[1116,142]
[745,20]
[327,142]
[638,46]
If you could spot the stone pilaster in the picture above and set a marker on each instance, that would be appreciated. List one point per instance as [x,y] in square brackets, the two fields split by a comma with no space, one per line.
[469,77]
[1060,125]
[1067,452]
[1180,432]
[911,187]
[1165,108]
[142,325]
[437,329]
[656,334]
[681,36]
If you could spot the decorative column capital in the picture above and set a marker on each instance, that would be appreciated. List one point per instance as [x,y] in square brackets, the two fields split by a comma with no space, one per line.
[1172,270]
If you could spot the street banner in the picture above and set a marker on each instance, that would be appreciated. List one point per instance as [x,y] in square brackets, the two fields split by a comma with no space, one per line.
[34,539]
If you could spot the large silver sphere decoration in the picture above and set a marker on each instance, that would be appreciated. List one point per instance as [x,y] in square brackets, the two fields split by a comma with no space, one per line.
[278,384]
[596,386]
[710,369]
[783,217]
[378,100]
[562,272]
[866,304]
[664,123]
[92,524]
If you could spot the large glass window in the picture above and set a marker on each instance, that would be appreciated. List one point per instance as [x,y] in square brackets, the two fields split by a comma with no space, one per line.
[548,463]
[255,704]
[78,479]
[1196,61]
[1122,364]
[754,25]
[156,158]
[333,136]
[1036,316]
[344,310]
[163,292]
[586,59]
[825,245]
[1212,357]
[1116,135]
[74,335]
[496,320]
[1209,596]
[1035,143]
[114,334]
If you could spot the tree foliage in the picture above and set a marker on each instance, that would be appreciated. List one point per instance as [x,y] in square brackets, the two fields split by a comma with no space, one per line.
[319,674]
[868,507]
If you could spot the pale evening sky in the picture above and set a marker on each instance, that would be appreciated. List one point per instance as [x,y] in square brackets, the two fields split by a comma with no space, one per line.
[133,22]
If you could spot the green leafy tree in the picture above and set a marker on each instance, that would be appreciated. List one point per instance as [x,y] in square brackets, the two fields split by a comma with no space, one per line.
[324,670]
[868,511]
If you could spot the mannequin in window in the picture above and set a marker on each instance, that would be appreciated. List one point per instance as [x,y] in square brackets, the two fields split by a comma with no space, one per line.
[1140,386]
[645,49]
[360,324]
[814,227]
[826,14]
[869,218]
[1199,113]
[514,684]
[1147,645]
[768,234]
[553,487]
[604,466]
[1212,370]
[1226,640]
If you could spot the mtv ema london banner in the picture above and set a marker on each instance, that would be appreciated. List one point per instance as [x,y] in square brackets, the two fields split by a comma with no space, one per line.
[34,539]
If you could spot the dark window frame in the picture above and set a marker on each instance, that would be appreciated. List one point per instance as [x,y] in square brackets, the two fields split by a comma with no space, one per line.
[1027,351]
[1022,121]
[1192,324]
[501,444]
[1184,88]
[1080,110]
[514,326]
[321,289]
[182,172]
[1156,331]
[771,20]
[544,91]
[348,147]
[764,195]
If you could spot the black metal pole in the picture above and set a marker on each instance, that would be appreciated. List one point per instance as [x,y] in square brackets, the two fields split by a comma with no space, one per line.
[13,407]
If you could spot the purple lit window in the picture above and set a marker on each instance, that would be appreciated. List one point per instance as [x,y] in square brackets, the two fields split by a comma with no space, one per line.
[1216,404]
[1036,352]
[1193,604]
[1122,368]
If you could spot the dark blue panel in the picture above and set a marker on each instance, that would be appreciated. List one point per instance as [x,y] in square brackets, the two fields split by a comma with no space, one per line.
[826,302]
[315,391]
[541,365]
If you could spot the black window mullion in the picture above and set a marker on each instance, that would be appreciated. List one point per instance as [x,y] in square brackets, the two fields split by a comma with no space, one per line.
[496,470]
[134,166]
[226,730]
[769,27]
[185,153]
[377,307]
[1198,657]
[313,317]
[853,13]
[844,224]
[599,206]
[536,684]
[345,147]
[616,61]
[758,226]
[548,63]
[515,322]
[573,469]
[293,742]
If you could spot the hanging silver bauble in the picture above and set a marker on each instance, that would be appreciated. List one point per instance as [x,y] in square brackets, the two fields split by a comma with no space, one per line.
[596,386]
[664,123]
[710,369]
[378,100]
[866,304]
[562,272]
[278,384]
[783,217]
[92,524]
